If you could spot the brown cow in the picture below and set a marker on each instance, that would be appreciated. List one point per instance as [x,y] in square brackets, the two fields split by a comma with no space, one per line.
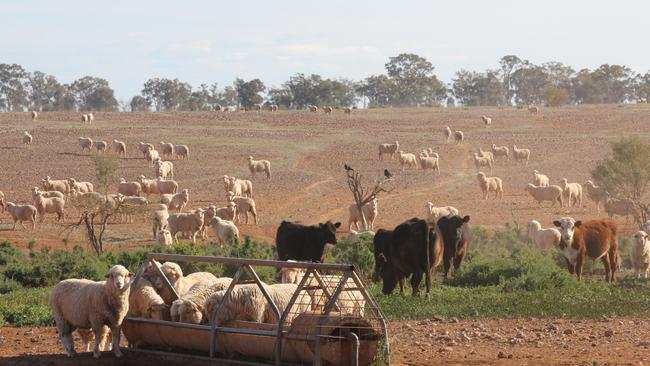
[596,238]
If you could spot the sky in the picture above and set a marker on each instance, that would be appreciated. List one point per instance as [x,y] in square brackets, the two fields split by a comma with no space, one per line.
[130,41]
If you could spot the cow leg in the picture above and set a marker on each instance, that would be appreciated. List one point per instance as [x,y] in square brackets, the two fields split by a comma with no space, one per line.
[570,266]
[580,265]
[402,284]
[458,259]
[416,278]
[608,267]
[447,265]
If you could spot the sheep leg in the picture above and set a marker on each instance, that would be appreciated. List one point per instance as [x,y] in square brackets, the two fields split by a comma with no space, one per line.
[97,330]
[65,335]
[115,330]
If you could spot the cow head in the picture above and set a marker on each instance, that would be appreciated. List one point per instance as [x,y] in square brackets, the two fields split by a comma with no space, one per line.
[450,227]
[328,231]
[567,227]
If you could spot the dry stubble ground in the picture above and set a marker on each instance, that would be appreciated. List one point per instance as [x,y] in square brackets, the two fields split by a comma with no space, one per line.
[307,152]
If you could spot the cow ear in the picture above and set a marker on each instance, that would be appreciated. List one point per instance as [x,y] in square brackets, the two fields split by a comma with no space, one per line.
[557,223]
[577,224]
[466,219]
[337,225]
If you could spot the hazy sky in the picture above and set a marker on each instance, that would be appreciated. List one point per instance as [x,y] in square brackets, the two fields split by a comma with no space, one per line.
[129,41]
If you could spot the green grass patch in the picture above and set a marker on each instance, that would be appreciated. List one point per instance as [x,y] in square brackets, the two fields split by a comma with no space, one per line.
[26,307]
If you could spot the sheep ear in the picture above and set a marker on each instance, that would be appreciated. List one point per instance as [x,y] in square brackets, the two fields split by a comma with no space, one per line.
[557,223]
[577,224]
[130,274]
[108,275]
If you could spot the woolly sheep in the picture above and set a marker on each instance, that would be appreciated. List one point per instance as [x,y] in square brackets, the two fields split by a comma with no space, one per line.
[119,147]
[434,213]
[144,147]
[480,162]
[166,199]
[27,138]
[533,109]
[259,166]
[167,149]
[208,213]
[621,207]
[369,212]
[49,205]
[181,283]
[571,192]
[144,301]
[189,308]
[245,205]
[430,162]
[84,118]
[597,194]
[446,132]
[157,186]
[101,146]
[34,115]
[164,237]
[347,110]
[55,185]
[227,213]
[132,205]
[489,184]
[179,200]
[160,218]
[186,222]
[86,304]
[486,120]
[81,187]
[85,143]
[151,156]
[313,108]
[500,151]
[2,200]
[240,187]
[521,154]
[47,193]
[327,110]
[640,255]
[459,137]
[225,231]
[91,118]
[540,180]
[182,151]
[388,149]
[291,275]
[486,154]
[551,193]
[407,160]
[543,238]
[21,213]
[164,169]
[128,188]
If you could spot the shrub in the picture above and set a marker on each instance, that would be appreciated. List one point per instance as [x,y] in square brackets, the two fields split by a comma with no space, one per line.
[555,96]
[360,254]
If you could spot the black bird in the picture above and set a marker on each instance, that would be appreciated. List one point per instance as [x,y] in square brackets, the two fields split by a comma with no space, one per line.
[387,174]
[347,167]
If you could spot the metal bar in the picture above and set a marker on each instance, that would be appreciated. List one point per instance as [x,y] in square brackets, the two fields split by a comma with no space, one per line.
[326,311]
[337,292]
[165,279]
[250,262]
[213,323]
[377,312]
[189,358]
[354,345]
[287,310]
[325,287]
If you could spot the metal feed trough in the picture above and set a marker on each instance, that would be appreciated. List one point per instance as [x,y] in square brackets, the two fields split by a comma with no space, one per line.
[339,323]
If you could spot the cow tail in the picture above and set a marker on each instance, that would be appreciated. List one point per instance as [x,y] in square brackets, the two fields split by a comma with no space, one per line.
[428,250]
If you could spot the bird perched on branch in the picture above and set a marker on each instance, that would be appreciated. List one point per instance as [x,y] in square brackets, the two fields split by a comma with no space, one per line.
[387,174]
[347,168]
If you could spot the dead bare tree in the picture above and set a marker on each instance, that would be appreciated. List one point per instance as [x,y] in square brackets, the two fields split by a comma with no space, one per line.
[363,195]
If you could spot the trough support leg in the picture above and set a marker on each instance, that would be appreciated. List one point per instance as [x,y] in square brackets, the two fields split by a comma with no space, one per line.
[217,311]
[354,349]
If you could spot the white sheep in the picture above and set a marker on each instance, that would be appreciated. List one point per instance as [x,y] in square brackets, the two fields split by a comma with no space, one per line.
[34,115]
[225,231]
[85,143]
[621,207]
[500,151]
[597,194]
[160,218]
[459,137]
[349,302]
[119,147]
[313,108]
[86,304]
[167,149]
[128,188]
[480,162]
[164,169]
[182,151]
[144,147]
[388,149]
[543,238]
[540,180]
[144,301]
[486,154]
[640,255]
[208,213]
[551,193]
[55,185]
[189,308]
[259,166]
[27,138]
[164,237]
[186,222]
[179,200]
[101,146]
[407,160]
[181,283]
[49,205]
[84,118]
[227,213]
[81,187]
[91,118]
[434,213]
[490,184]
[151,156]
[521,154]
[347,110]
[370,212]
[240,187]
[21,213]
[486,120]
[291,275]
[47,193]
[245,205]
[533,109]
[446,132]
[430,162]
[2,200]
[572,193]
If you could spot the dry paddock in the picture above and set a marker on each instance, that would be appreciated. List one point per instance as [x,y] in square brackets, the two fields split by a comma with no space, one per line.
[307,152]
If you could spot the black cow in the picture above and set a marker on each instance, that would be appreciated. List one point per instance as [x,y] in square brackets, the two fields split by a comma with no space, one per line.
[304,243]
[415,249]
[456,241]
[383,268]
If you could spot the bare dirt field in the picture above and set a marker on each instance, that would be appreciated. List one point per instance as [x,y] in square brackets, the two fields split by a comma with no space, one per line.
[307,152]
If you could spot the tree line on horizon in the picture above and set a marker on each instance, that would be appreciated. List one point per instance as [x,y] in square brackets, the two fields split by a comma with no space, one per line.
[409,81]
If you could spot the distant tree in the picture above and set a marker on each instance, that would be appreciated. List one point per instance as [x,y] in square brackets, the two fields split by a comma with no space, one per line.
[139,104]
[13,87]
[248,92]
[585,88]
[93,93]
[509,64]
[475,89]
[415,83]
[167,94]
[641,86]
[558,75]
[68,99]
[616,82]
[200,99]
[529,82]
[378,89]
[44,92]
[555,96]
[102,99]
[281,96]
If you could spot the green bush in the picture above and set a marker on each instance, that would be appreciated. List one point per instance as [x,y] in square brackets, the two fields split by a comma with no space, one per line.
[8,285]
[359,253]
[26,307]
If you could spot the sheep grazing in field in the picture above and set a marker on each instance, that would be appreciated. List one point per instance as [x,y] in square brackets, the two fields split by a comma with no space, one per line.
[157,186]
[327,109]
[189,308]
[151,156]
[164,169]
[85,143]
[2,200]
[182,284]
[543,238]
[240,187]
[430,163]
[101,146]
[131,206]
[459,137]
[48,193]
[55,185]
[85,304]
[500,151]
[21,213]
[49,205]
[490,184]
[182,151]
[370,212]
[81,187]
[247,303]
[642,101]
[407,160]
[640,255]
[521,154]
[167,149]
[91,118]
[84,118]
[486,120]
[313,108]
[486,154]
[347,110]
[597,194]
[160,218]
[191,222]
[225,231]
[446,132]
[144,301]
[128,188]
[164,237]
[208,214]
[434,213]
[217,108]
[227,213]
[179,200]
[144,147]
[27,138]
[34,115]
[245,205]
[572,193]
[621,207]
[540,194]
[119,147]
[257,107]
[480,162]
[388,149]
[540,180]
[259,166]
[533,109]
